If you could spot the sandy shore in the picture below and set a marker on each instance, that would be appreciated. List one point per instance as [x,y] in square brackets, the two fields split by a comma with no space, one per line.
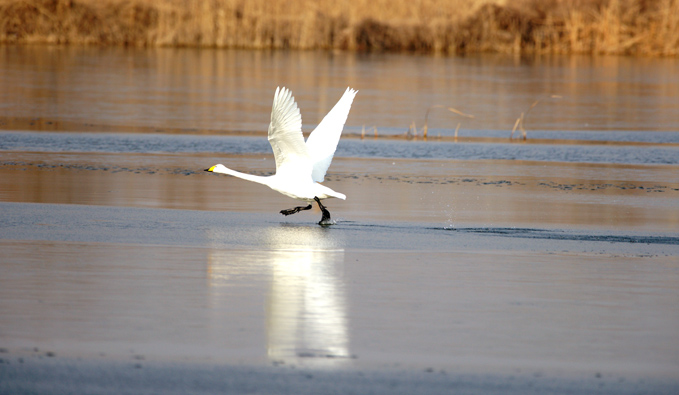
[141,273]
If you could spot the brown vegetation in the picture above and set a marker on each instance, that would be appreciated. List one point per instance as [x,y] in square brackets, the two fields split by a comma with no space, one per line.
[638,27]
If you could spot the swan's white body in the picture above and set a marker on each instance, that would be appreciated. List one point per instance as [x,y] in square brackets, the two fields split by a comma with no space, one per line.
[300,166]
[287,184]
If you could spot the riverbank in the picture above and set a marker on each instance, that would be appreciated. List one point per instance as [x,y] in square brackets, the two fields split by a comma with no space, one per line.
[632,27]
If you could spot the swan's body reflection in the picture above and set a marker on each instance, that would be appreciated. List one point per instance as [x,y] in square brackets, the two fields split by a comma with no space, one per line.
[306,313]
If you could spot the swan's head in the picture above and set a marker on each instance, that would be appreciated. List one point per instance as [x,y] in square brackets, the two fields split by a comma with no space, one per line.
[217,169]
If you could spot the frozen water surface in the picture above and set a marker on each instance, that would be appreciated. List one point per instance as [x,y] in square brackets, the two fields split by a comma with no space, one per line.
[483,265]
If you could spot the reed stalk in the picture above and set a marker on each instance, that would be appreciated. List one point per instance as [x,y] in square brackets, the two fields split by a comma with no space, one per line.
[425,128]
[520,121]
[363,131]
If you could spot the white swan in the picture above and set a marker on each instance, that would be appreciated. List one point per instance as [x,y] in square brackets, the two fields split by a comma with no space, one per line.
[300,167]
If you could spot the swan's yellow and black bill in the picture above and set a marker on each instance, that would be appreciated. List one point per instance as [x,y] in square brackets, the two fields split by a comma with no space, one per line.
[211,169]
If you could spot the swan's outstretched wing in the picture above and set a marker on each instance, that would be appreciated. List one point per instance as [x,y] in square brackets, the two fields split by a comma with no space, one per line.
[285,135]
[322,142]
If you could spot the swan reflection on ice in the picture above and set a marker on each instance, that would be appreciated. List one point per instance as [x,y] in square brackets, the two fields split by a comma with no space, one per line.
[305,308]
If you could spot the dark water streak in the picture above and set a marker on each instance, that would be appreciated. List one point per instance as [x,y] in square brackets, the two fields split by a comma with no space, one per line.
[161,143]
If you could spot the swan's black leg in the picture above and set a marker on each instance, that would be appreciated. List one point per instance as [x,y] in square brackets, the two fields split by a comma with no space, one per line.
[295,210]
[325,220]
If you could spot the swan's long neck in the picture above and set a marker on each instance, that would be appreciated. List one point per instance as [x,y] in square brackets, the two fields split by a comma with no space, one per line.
[250,177]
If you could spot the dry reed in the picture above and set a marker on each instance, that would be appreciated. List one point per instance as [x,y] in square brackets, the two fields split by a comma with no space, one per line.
[520,122]
[425,129]
[363,130]
[414,133]
[640,27]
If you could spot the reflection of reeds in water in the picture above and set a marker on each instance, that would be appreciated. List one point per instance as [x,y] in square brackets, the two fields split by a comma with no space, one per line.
[454,26]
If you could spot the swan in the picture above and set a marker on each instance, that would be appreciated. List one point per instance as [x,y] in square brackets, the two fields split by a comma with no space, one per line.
[300,166]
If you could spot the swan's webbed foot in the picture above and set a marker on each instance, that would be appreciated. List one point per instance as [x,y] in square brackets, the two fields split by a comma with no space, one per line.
[295,210]
[325,220]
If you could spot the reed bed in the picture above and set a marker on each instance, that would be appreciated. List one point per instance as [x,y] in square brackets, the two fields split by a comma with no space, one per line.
[631,27]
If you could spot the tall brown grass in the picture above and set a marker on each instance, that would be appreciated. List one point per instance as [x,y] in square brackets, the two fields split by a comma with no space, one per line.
[637,27]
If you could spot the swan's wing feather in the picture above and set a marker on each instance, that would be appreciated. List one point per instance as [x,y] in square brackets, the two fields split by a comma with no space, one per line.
[285,134]
[322,142]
